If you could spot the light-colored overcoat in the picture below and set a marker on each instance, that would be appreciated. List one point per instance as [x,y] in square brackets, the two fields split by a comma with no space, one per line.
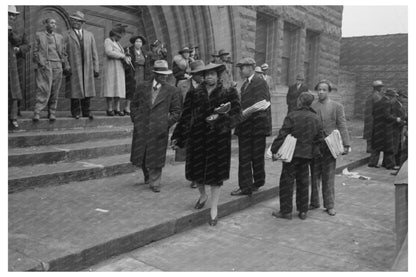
[152,122]
[114,83]
[81,82]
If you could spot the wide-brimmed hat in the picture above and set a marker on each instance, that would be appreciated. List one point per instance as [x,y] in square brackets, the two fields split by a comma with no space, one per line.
[134,38]
[78,16]
[264,66]
[378,83]
[300,77]
[193,47]
[184,49]
[12,9]
[246,61]
[220,53]
[214,66]
[391,92]
[161,67]
[258,69]
[119,29]
[197,66]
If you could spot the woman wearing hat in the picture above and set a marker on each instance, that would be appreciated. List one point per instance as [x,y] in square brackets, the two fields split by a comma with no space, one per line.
[209,114]
[114,86]
[135,71]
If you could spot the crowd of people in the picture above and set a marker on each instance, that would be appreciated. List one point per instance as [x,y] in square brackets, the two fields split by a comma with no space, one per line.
[205,107]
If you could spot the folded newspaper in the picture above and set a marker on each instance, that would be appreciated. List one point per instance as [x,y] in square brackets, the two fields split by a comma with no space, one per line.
[259,106]
[334,142]
[285,152]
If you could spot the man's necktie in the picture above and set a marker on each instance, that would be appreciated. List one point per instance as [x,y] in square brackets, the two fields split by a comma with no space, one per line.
[243,88]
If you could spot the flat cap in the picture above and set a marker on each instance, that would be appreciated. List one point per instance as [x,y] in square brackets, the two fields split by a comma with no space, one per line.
[377,83]
[246,61]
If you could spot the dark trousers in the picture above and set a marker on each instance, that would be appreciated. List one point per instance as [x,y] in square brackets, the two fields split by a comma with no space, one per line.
[80,105]
[297,170]
[389,160]
[375,156]
[13,108]
[251,162]
[323,170]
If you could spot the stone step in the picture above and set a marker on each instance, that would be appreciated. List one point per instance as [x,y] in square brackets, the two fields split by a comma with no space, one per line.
[68,152]
[65,122]
[43,175]
[58,137]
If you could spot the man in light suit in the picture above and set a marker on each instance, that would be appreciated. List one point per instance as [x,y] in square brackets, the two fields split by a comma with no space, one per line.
[332,116]
[252,130]
[293,93]
[49,54]
[155,107]
[83,59]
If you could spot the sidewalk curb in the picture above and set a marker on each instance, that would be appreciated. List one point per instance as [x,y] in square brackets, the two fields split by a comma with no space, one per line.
[95,254]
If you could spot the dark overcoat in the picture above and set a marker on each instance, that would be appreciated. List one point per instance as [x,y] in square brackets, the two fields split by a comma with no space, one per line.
[292,96]
[133,77]
[208,147]
[260,122]
[305,125]
[15,40]
[375,96]
[152,123]
[83,59]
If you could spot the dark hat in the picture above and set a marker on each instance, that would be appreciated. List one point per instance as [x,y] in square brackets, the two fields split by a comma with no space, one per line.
[220,53]
[156,43]
[300,77]
[306,98]
[391,92]
[378,83]
[402,93]
[119,29]
[134,38]
[193,47]
[197,66]
[214,66]
[246,61]
[13,10]
[184,49]
[161,67]
[78,16]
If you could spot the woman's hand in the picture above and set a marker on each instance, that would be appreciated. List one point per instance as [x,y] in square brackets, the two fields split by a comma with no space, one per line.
[223,108]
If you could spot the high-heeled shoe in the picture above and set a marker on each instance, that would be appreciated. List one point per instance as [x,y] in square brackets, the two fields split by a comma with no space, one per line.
[119,113]
[110,113]
[199,205]
[213,222]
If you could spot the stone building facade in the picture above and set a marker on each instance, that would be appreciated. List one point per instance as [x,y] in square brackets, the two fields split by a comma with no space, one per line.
[369,58]
[291,39]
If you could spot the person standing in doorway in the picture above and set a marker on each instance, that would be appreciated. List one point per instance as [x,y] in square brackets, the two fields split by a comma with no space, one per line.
[375,96]
[294,91]
[49,55]
[83,59]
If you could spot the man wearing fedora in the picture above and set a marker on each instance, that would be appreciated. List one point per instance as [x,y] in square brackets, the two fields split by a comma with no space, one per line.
[157,52]
[18,47]
[294,91]
[375,96]
[252,130]
[265,68]
[181,69]
[50,57]
[155,107]
[227,76]
[83,60]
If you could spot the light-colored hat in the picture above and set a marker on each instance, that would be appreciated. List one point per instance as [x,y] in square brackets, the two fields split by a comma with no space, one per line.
[184,49]
[378,83]
[78,16]
[197,66]
[300,77]
[264,66]
[161,67]
[246,61]
[258,69]
[12,9]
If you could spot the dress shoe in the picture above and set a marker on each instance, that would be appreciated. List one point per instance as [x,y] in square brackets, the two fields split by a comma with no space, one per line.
[52,117]
[76,116]
[282,215]
[118,113]
[155,189]
[313,207]
[394,173]
[91,116]
[238,192]
[14,124]
[36,117]
[375,166]
[126,112]
[193,185]
[331,212]
[213,222]
[254,189]
[302,215]
[110,113]
[199,205]
[393,168]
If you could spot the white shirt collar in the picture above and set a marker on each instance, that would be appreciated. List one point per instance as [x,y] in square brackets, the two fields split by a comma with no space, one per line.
[250,78]
[156,84]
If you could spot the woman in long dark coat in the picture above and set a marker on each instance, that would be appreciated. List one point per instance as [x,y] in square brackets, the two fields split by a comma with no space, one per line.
[208,143]
[135,71]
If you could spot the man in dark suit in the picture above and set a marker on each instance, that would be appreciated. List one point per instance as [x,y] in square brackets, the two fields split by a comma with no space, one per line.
[155,107]
[255,125]
[293,93]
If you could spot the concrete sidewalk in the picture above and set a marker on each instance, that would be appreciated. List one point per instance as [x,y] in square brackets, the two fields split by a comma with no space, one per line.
[76,225]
